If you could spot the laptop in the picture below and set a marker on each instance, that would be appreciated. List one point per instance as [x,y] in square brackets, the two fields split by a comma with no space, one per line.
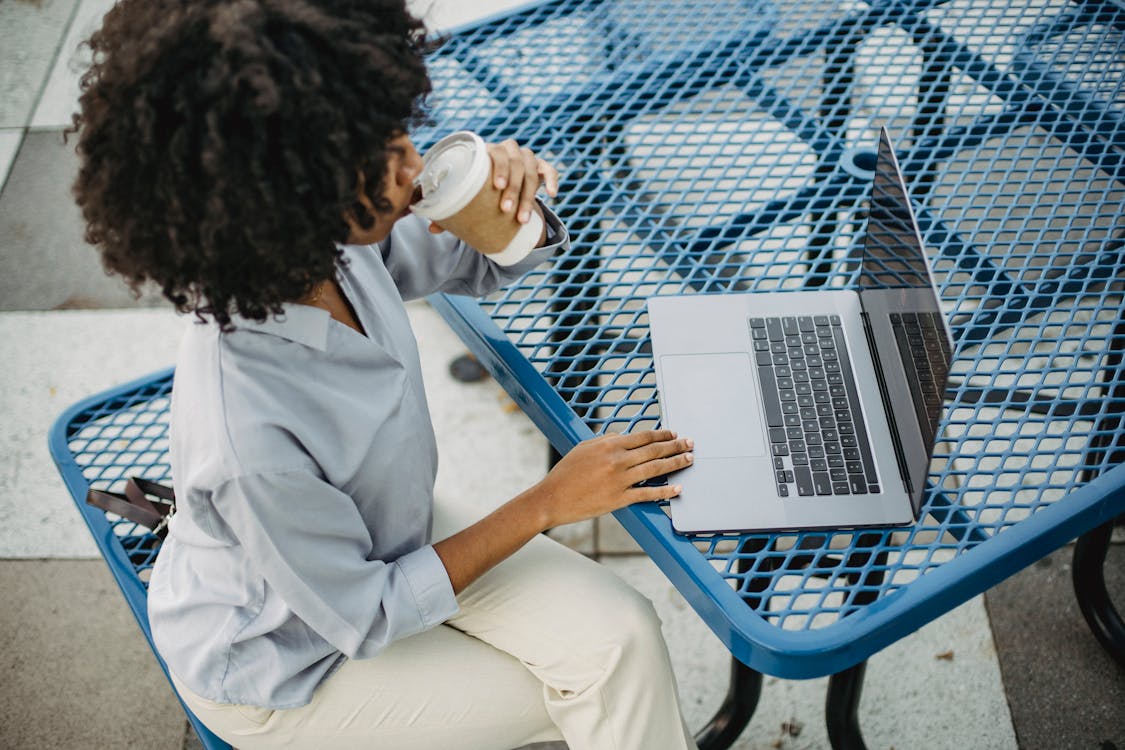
[811,409]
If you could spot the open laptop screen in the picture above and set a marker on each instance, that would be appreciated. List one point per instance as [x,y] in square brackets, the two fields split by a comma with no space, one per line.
[892,249]
[894,259]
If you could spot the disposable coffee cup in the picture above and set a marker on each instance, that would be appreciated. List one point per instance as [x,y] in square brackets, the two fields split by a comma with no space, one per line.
[458,194]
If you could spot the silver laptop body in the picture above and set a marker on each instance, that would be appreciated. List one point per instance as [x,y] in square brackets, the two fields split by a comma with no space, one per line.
[840,367]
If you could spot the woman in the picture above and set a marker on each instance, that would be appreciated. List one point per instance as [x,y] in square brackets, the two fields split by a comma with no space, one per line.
[252,158]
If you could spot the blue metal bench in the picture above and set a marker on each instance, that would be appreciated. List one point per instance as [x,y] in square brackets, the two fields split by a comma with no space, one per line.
[100,443]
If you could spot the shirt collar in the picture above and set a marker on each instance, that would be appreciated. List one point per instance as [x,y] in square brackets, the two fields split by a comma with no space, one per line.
[302,324]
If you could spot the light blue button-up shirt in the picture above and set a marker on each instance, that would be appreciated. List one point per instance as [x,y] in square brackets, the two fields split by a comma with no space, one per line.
[304,459]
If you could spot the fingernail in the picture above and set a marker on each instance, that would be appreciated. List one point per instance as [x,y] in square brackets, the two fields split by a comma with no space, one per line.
[690,443]
[501,183]
[525,216]
[689,457]
[507,205]
[678,489]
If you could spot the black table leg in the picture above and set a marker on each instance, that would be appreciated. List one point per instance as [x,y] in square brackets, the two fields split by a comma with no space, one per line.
[735,712]
[1088,570]
[1089,588]
[841,709]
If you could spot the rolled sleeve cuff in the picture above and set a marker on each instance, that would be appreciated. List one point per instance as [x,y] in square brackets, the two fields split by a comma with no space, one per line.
[429,582]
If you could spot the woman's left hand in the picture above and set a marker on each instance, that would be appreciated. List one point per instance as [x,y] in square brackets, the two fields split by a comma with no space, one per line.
[518,173]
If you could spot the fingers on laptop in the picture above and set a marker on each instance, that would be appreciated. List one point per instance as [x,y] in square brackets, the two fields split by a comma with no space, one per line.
[652,454]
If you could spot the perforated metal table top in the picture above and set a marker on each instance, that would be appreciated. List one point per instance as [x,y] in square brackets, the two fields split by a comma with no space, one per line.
[722,146]
[718,147]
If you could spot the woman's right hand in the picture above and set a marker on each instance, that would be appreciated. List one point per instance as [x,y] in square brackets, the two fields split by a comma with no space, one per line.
[600,475]
[597,477]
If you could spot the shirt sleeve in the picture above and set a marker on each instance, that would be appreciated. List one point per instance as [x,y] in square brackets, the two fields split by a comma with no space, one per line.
[422,263]
[310,544]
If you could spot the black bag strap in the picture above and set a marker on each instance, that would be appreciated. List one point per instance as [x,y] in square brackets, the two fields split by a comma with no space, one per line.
[136,506]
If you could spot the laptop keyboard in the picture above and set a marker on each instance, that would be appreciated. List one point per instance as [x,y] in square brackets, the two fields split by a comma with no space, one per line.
[818,438]
[925,353]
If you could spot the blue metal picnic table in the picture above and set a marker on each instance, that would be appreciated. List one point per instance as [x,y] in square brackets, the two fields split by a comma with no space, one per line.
[727,146]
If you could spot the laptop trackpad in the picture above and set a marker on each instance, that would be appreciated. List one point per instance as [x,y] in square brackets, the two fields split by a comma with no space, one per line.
[711,398]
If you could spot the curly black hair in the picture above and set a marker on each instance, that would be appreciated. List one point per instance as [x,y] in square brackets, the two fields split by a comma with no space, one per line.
[222,142]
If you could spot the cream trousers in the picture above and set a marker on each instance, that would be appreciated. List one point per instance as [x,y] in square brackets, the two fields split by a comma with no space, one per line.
[547,645]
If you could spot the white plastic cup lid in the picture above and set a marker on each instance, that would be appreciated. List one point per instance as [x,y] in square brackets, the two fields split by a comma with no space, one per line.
[453,171]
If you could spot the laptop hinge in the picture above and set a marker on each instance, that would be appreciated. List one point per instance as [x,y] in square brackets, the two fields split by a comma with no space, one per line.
[900,454]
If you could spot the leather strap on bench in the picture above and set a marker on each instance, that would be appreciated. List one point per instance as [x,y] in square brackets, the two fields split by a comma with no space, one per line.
[136,506]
